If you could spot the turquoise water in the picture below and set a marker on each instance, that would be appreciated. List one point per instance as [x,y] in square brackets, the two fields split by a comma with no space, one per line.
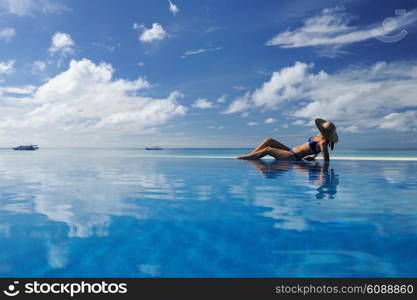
[119,213]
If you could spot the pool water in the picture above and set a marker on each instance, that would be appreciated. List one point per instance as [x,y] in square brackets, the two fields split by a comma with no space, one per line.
[113,213]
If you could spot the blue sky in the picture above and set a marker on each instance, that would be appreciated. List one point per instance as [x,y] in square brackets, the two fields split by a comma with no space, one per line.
[206,73]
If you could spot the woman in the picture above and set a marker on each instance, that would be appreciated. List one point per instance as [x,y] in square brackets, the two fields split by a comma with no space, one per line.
[326,137]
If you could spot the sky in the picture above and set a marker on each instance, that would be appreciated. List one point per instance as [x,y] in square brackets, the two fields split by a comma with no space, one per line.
[200,73]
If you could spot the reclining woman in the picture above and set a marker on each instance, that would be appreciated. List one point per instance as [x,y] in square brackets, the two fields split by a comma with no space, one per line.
[326,138]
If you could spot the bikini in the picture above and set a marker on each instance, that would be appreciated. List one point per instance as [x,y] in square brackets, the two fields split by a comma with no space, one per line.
[312,143]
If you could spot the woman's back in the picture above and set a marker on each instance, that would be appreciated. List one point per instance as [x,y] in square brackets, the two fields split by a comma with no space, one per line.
[310,147]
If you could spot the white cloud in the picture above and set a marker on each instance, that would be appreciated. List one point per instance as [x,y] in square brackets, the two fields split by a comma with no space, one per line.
[22,90]
[173,8]
[87,100]
[283,86]
[241,88]
[253,124]
[61,43]
[400,121]
[199,51]
[6,34]
[212,29]
[377,96]
[364,97]
[331,28]
[240,104]
[270,121]
[148,35]
[350,129]
[202,103]
[194,52]
[221,99]
[138,26]
[6,67]
[29,7]
[38,66]
[299,122]
[141,64]
[110,48]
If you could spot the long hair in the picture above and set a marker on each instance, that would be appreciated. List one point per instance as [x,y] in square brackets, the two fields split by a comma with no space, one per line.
[331,144]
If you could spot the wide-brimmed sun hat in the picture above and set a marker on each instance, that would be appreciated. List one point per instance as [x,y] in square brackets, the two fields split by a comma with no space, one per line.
[328,129]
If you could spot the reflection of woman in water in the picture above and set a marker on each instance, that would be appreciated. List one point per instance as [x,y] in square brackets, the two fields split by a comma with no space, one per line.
[326,137]
[318,174]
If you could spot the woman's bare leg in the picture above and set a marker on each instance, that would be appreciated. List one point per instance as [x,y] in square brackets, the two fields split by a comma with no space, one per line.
[270,142]
[276,153]
[254,155]
[281,154]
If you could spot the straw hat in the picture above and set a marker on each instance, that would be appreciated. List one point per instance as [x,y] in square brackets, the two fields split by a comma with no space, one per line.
[328,129]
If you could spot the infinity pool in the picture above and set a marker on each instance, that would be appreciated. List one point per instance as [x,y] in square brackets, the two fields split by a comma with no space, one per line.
[116,214]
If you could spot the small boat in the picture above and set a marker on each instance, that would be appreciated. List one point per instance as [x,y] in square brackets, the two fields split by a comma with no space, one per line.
[26,147]
[154,148]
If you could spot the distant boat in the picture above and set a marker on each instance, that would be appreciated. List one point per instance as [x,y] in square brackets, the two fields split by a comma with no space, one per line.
[26,147]
[154,148]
